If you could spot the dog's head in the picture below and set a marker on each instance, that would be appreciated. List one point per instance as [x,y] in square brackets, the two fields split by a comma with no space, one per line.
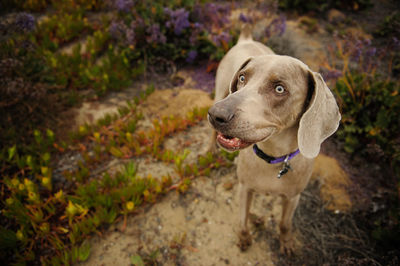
[269,94]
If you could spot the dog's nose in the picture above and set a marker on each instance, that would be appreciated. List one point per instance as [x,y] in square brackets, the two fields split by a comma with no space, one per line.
[220,116]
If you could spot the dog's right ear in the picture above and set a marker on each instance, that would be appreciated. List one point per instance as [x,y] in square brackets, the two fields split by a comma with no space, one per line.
[234,80]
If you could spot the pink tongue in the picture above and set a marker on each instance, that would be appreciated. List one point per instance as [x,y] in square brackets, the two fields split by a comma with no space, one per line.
[230,143]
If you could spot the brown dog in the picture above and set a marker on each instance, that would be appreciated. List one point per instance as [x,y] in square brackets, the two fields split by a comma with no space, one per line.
[286,109]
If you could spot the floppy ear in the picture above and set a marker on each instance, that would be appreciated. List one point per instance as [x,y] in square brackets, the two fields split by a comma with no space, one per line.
[320,120]
[234,80]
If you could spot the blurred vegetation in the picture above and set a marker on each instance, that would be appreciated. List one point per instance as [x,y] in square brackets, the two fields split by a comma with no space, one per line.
[87,48]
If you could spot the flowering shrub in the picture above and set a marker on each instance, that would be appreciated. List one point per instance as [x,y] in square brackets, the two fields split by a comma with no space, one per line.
[369,101]
[174,33]
[25,21]
[178,20]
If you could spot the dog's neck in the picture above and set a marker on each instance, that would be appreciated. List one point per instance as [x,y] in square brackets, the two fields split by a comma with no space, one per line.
[281,144]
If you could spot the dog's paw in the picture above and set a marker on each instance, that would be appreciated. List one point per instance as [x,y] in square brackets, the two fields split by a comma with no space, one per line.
[287,247]
[244,240]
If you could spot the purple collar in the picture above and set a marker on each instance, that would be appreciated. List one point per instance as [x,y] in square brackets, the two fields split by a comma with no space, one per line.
[273,160]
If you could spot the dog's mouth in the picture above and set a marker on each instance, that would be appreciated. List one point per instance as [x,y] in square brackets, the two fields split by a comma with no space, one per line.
[231,143]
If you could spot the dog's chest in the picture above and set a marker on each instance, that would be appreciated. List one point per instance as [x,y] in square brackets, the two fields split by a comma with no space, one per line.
[258,175]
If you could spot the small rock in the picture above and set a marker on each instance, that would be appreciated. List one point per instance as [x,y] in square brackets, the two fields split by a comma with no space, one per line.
[228,201]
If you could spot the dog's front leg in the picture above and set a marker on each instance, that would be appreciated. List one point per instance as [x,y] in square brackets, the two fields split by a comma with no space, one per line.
[245,197]
[286,237]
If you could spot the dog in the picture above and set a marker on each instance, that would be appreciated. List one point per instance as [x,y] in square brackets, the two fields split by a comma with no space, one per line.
[277,112]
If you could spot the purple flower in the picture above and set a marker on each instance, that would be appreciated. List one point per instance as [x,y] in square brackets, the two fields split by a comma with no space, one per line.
[191,56]
[245,19]
[204,79]
[123,5]
[117,30]
[367,42]
[130,36]
[178,19]
[357,53]
[278,26]
[25,21]
[197,28]
[212,15]
[138,23]
[223,37]
[371,52]
[155,35]
[331,74]
[281,25]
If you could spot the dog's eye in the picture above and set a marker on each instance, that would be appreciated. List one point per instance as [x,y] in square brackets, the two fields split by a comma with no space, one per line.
[279,89]
[242,78]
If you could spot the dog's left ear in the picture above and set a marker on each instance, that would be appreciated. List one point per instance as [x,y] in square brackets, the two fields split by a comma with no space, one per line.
[321,118]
